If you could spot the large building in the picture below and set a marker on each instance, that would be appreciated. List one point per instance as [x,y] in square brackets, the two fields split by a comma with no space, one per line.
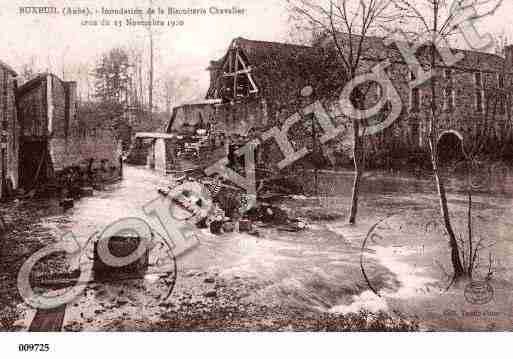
[9,138]
[266,78]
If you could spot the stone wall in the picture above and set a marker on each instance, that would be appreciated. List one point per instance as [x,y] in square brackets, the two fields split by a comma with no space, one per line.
[99,144]
[410,132]
[48,113]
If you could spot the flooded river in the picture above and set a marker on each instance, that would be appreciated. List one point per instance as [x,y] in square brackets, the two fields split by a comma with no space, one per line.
[318,269]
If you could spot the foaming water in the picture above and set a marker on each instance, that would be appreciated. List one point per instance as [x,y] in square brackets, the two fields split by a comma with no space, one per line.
[412,281]
[367,300]
[317,269]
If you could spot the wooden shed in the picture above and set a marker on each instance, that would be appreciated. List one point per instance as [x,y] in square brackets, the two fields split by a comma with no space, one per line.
[9,137]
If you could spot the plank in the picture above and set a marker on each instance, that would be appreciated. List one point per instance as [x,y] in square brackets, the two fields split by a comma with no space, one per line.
[48,320]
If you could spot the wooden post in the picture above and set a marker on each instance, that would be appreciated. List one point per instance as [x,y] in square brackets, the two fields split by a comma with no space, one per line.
[316,169]
[3,192]
[236,68]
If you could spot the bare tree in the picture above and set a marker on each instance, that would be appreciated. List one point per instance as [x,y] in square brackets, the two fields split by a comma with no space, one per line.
[501,43]
[152,35]
[29,70]
[63,62]
[440,20]
[347,25]
[135,53]
[150,85]
[497,103]
[175,90]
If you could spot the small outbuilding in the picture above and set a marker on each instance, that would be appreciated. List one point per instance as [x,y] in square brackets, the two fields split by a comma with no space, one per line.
[9,136]
[52,136]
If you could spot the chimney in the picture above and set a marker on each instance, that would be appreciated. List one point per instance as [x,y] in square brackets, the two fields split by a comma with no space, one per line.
[70,94]
[214,69]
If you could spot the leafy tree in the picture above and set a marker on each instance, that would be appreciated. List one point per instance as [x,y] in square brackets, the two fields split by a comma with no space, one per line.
[112,77]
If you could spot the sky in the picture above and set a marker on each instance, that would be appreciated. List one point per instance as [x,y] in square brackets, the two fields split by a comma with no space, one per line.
[54,40]
[62,43]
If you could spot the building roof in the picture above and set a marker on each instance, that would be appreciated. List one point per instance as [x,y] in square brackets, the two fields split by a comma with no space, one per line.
[8,68]
[32,82]
[281,67]
[281,70]
[154,135]
[37,80]
[375,48]
[260,51]
[213,101]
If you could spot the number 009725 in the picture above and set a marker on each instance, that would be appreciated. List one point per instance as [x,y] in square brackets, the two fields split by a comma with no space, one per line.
[34,347]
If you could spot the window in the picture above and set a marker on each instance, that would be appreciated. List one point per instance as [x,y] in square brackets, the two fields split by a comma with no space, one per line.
[414,95]
[478,79]
[381,90]
[382,95]
[449,91]
[502,97]
[415,134]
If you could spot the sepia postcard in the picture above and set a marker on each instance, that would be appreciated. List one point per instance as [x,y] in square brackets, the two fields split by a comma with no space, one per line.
[243,166]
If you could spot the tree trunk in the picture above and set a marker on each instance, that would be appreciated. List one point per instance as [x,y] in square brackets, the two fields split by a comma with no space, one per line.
[151,77]
[354,199]
[469,218]
[358,167]
[140,80]
[150,85]
[459,271]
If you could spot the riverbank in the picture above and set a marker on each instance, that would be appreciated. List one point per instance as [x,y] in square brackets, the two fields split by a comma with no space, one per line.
[24,235]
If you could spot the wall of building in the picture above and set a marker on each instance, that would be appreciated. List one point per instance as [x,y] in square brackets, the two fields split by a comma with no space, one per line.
[192,115]
[160,155]
[98,144]
[33,112]
[64,111]
[10,128]
[240,117]
[280,87]
[410,132]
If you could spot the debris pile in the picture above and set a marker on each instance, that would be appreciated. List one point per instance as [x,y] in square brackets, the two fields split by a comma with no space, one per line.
[73,182]
[227,212]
